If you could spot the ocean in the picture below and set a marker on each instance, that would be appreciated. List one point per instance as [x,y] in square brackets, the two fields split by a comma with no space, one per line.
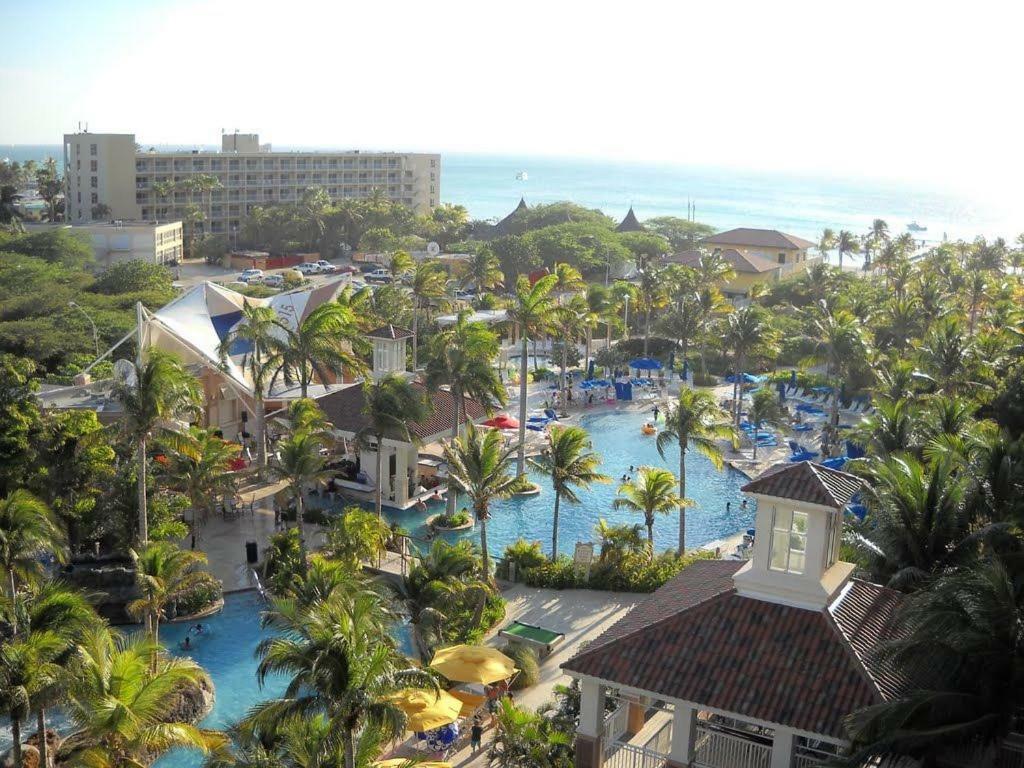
[724,198]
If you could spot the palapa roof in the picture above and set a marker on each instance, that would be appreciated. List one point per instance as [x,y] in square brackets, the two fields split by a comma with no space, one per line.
[808,482]
[695,639]
[344,409]
[740,262]
[630,223]
[758,238]
[502,226]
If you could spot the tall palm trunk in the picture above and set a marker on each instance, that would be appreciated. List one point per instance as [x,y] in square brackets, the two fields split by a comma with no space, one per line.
[757,426]
[586,352]
[649,522]
[348,747]
[143,517]
[16,737]
[561,375]
[456,403]
[415,334]
[12,589]
[536,363]
[682,495]
[260,418]
[647,327]
[485,558]
[523,370]
[44,753]
[554,529]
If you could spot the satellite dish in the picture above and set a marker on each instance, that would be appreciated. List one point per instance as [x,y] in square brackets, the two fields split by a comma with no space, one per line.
[125,373]
[433,248]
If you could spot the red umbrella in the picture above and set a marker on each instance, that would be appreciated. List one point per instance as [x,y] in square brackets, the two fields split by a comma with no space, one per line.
[502,421]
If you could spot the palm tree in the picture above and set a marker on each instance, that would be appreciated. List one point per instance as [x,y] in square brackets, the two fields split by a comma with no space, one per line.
[959,642]
[322,344]
[599,304]
[570,465]
[342,666]
[483,271]
[695,421]
[391,405]
[28,529]
[401,263]
[300,466]
[428,283]
[919,525]
[765,409]
[164,574]
[531,310]
[479,465]
[121,702]
[945,353]
[163,190]
[652,295]
[746,330]
[198,464]
[254,331]
[27,667]
[65,613]
[841,346]
[878,235]
[652,493]
[160,392]
[570,322]
[357,536]
[826,243]
[846,242]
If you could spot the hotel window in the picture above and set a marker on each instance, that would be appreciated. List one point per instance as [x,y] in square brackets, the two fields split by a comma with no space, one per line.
[93,182]
[782,258]
[834,537]
[92,149]
[789,541]
[95,198]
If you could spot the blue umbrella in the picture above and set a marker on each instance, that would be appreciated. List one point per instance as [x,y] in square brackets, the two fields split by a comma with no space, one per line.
[645,364]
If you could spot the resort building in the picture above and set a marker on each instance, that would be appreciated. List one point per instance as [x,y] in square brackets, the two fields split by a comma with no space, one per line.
[110,169]
[749,269]
[630,223]
[750,664]
[409,477]
[770,244]
[156,242]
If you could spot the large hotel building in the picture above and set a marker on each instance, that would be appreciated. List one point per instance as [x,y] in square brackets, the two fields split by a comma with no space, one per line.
[110,169]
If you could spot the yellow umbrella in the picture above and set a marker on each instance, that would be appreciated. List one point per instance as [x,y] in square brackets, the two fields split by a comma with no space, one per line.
[410,762]
[473,664]
[427,710]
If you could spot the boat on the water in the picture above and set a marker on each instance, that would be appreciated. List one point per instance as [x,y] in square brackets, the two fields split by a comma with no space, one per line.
[522,176]
[915,227]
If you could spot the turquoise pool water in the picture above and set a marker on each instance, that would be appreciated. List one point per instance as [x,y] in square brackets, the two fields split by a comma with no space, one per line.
[227,650]
[617,439]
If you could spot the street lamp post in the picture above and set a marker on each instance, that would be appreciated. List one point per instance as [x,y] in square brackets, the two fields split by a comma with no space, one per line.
[625,319]
[95,333]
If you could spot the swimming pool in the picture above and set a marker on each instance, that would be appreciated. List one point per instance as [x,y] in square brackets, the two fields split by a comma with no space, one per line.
[617,439]
[227,651]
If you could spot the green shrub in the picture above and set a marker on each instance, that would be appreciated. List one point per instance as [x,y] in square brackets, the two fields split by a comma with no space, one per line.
[200,597]
[452,520]
[560,574]
[525,554]
[527,663]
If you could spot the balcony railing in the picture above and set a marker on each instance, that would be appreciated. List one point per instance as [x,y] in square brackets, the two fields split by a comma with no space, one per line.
[717,749]
[633,756]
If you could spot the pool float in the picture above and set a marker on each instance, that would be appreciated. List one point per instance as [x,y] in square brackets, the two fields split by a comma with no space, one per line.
[648,429]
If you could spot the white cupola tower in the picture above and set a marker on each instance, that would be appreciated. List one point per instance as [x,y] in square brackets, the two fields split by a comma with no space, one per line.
[389,350]
[798,528]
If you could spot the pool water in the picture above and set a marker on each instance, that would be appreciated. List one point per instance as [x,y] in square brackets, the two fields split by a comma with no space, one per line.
[617,440]
[227,651]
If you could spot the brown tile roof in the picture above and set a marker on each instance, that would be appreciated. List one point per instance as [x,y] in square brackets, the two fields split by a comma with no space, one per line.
[694,641]
[740,262]
[863,614]
[390,332]
[758,238]
[808,482]
[344,409]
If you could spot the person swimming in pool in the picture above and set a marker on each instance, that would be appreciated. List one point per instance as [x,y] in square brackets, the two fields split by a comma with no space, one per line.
[187,643]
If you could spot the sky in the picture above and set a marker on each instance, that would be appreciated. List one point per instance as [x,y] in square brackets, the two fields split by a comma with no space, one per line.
[897,89]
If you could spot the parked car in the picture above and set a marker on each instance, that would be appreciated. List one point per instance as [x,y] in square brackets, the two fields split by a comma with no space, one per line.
[309,268]
[274,281]
[251,276]
[461,295]
[326,267]
[348,269]
[379,275]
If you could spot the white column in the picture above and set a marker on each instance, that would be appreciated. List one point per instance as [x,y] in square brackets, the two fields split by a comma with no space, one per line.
[782,748]
[401,486]
[591,709]
[684,734]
